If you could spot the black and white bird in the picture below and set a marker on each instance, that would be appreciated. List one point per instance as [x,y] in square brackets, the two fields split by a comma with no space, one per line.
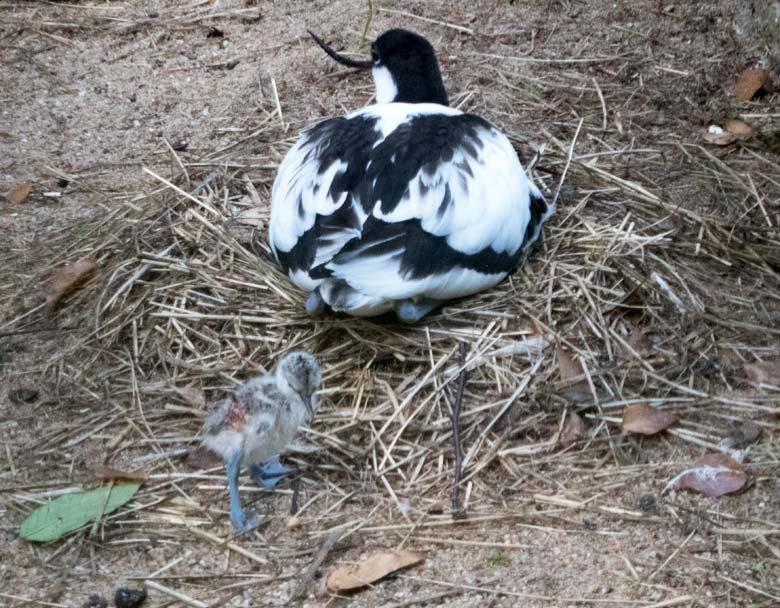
[254,425]
[405,204]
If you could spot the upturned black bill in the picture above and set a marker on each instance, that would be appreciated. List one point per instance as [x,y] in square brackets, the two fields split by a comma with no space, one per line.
[350,63]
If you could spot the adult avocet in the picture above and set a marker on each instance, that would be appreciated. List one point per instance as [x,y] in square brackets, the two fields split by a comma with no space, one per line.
[405,204]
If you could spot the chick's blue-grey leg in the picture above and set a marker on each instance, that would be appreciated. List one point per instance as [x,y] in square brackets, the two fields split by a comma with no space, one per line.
[241,519]
[410,311]
[270,473]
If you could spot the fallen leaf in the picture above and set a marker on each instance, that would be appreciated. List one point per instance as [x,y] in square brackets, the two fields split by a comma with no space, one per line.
[751,83]
[738,128]
[19,193]
[203,458]
[251,216]
[104,472]
[763,372]
[644,419]
[637,340]
[72,511]
[719,137]
[713,475]
[371,569]
[576,387]
[573,429]
[68,278]
[193,395]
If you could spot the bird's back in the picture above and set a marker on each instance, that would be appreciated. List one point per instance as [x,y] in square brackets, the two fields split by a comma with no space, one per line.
[402,200]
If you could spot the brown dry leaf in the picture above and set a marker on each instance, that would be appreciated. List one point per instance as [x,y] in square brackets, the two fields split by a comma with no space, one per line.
[68,278]
[251,216]
[570,370]
[751,82]
[763,372]
[639,341]
[713,475]
[718,136]
[19,193]
[573,429]
[104,472]
[193,395]
[645,419]
[738,128]
[371,569]
[203,458]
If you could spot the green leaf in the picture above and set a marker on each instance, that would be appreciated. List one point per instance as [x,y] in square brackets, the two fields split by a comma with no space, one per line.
[71,511]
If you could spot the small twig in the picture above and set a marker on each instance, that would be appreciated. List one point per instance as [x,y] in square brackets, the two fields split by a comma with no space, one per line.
[368,21]
[457,508]
[230,545]
[278,104]
[453,26]
[568,162]
[308,576]
[296,487]
[186,599]
[424,600]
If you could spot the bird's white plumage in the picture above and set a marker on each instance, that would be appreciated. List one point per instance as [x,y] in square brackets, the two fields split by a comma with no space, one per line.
[385,85]
[488,193]
[485,209]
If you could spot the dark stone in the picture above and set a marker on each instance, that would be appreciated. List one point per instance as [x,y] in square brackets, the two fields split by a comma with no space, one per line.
[648,503]
[129,598]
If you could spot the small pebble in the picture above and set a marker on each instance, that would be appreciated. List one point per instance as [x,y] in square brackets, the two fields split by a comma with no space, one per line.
[647,503]
[129,598]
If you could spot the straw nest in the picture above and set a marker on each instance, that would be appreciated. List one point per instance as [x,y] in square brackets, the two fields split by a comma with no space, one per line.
[656,279]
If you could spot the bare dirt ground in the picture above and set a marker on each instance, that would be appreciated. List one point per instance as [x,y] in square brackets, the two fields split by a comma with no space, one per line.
[657,236]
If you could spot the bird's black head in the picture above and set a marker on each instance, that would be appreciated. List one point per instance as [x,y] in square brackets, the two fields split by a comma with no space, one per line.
[404,67]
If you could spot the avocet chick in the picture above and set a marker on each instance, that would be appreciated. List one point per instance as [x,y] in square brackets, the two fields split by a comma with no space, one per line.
[258,421]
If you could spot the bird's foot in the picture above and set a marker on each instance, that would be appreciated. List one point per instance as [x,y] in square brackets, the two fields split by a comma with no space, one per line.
[410,311]
[315,305]
[269,474]
[244,521]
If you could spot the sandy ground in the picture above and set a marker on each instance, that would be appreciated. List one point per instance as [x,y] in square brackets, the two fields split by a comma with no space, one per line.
[94,92]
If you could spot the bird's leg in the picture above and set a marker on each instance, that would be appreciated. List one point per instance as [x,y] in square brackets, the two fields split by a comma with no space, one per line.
[245,522]
[315,305]
[270,473]
[410,311]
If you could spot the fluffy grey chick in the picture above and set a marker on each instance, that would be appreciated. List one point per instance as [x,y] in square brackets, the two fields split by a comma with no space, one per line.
[258,421]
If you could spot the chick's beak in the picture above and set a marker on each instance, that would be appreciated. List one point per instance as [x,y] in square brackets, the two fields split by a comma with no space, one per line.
[350,63]
[310,405]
